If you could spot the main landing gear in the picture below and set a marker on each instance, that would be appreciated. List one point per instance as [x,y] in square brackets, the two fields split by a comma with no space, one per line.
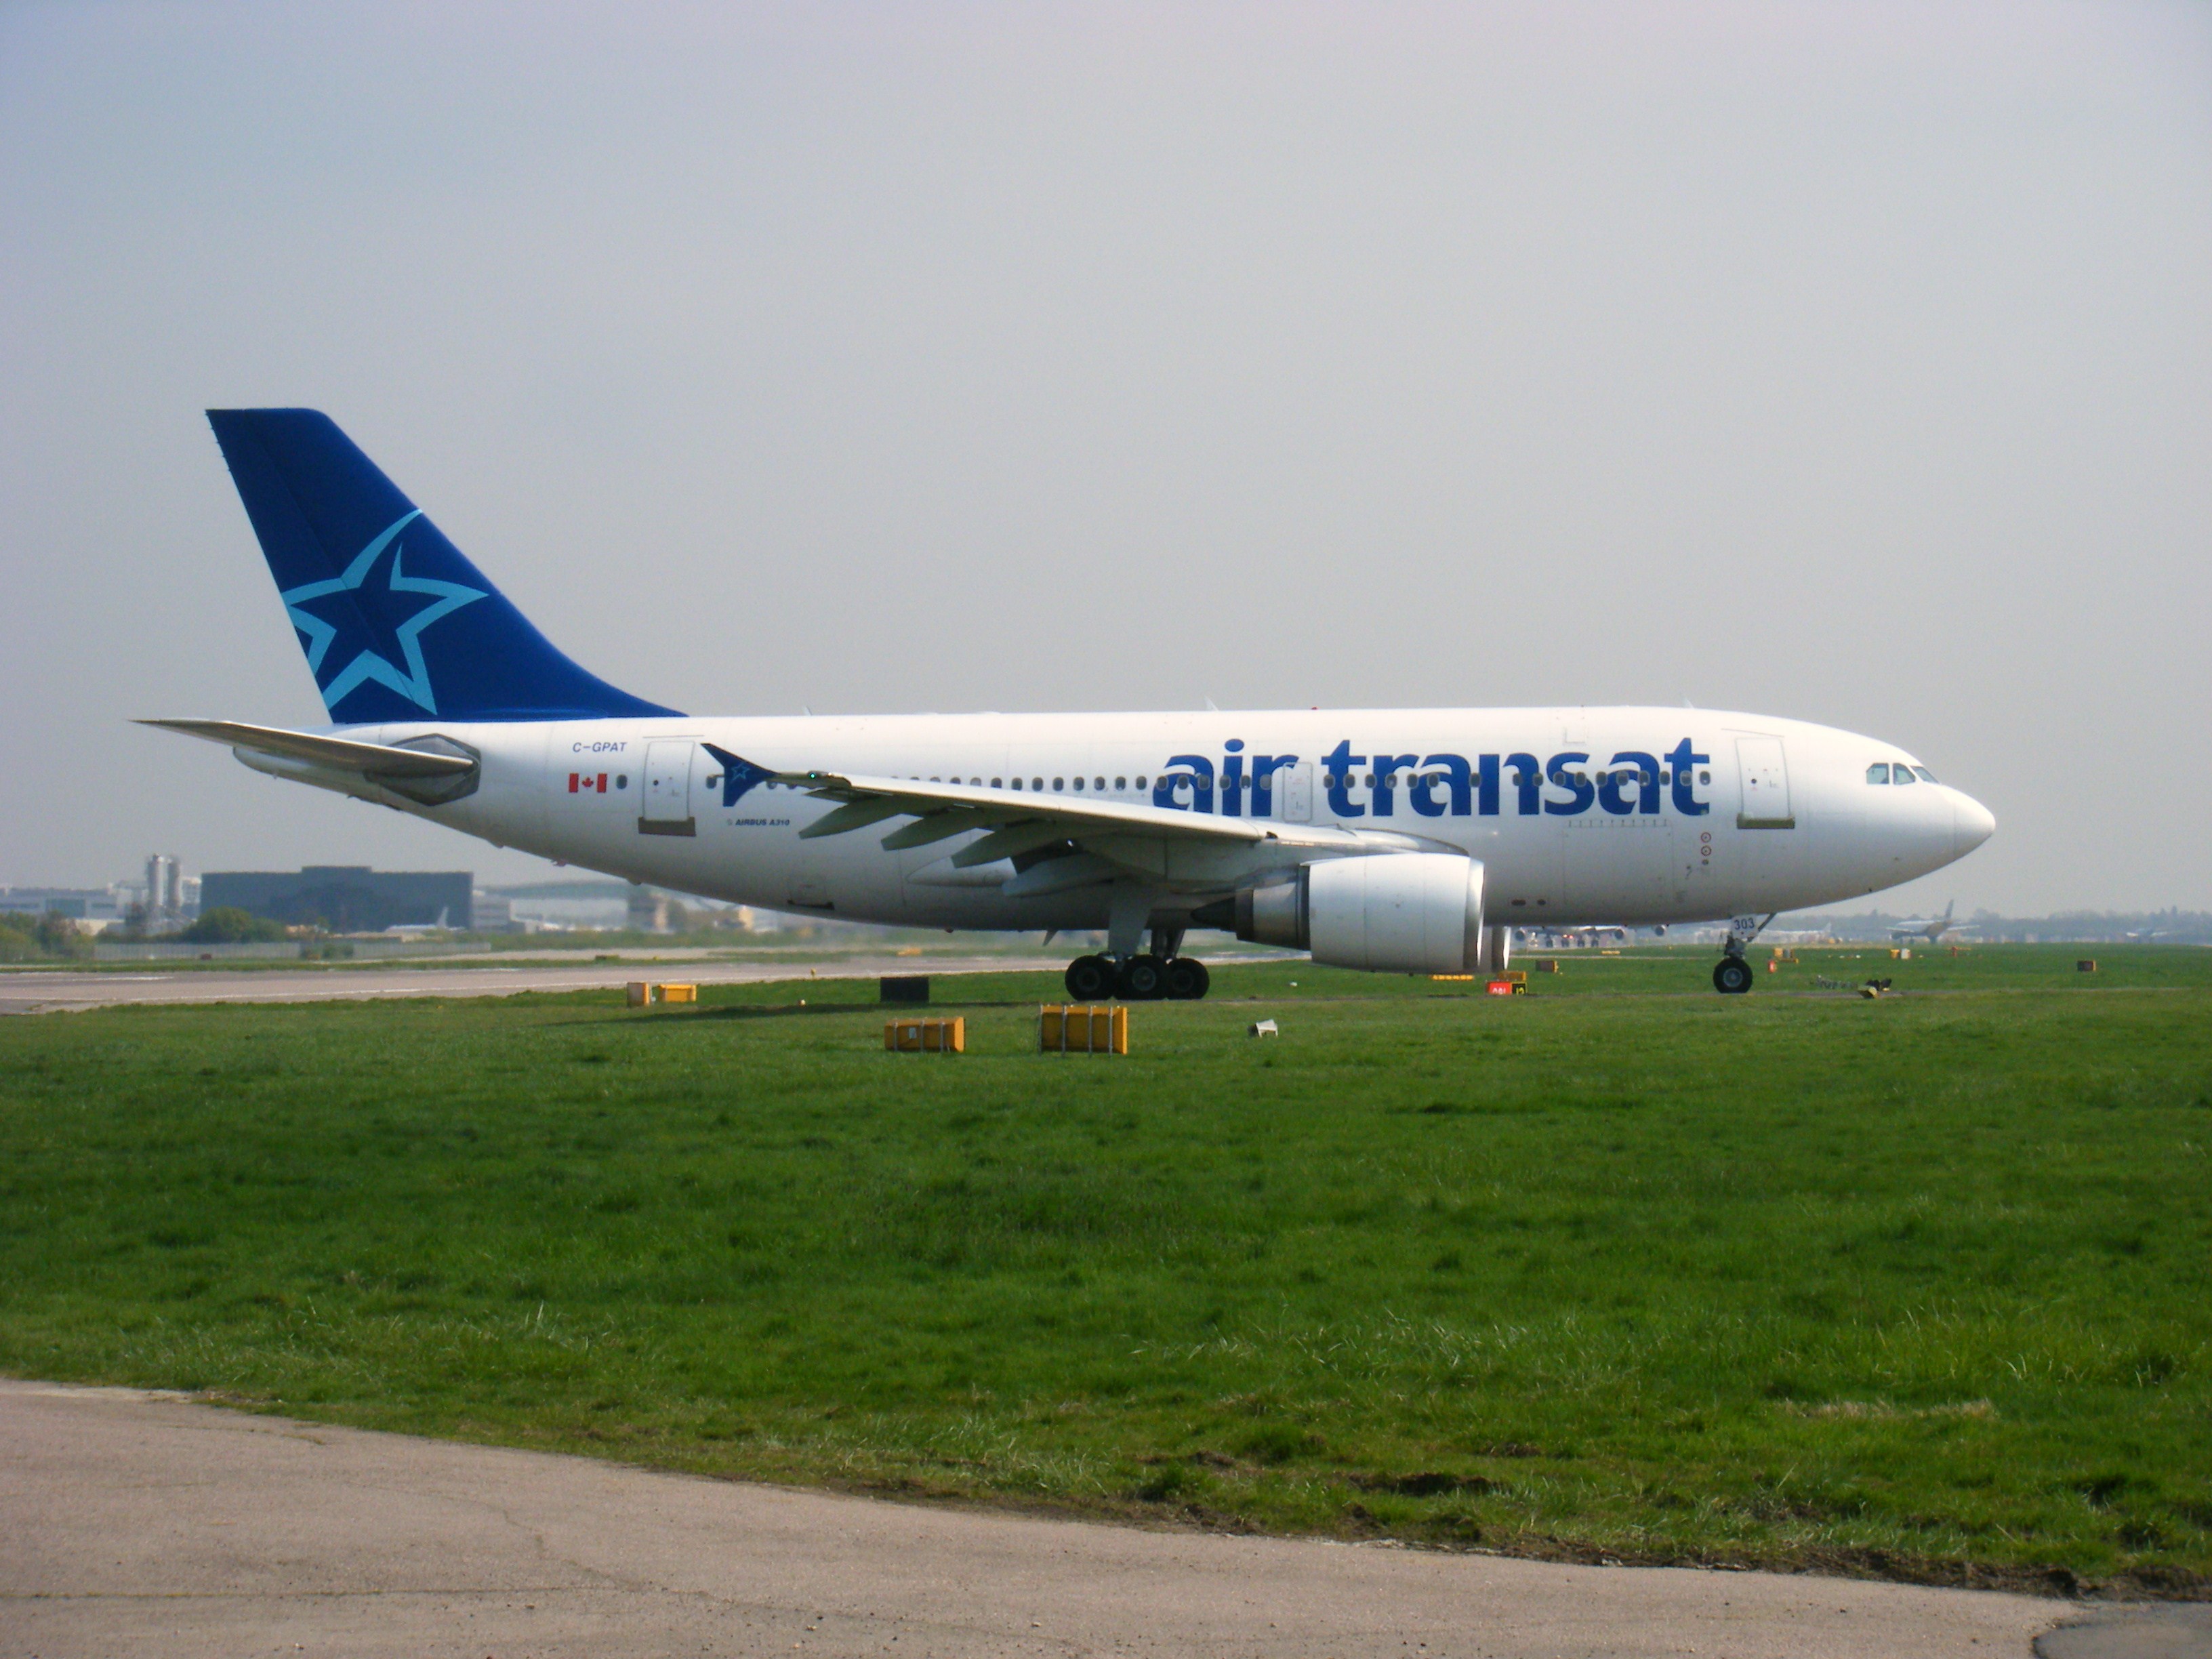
[1144,978]
[1149,976]
[1732,975]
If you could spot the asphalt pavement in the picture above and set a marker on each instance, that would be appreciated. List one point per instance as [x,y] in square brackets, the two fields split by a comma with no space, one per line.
[31,992]
[136,1522]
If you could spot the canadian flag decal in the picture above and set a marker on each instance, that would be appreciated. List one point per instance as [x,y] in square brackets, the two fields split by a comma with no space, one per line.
[587,783]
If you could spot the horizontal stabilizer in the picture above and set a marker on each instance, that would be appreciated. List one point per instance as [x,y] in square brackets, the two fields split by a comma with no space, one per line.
[340,754]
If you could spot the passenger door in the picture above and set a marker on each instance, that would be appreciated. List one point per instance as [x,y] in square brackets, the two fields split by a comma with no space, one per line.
[1293,792]
[1765,858]
[1764,774]
[665,807]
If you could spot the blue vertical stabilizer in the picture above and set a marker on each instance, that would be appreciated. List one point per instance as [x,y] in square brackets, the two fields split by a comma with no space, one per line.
[397,624]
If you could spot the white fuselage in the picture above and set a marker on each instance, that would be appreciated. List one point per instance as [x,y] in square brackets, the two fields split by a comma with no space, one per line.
[1633,816]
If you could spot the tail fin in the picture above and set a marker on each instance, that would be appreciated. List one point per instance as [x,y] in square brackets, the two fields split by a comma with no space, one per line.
[397,624]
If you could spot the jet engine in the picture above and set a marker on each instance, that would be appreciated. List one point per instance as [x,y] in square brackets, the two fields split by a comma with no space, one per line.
[1405,913]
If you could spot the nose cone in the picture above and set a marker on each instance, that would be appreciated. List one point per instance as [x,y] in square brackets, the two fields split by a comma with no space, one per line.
[1972,823]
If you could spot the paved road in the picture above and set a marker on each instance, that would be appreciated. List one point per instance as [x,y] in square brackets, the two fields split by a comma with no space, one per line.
[132,1522]
[49,992]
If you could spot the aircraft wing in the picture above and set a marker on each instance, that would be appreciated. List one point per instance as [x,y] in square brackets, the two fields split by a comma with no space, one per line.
[339,754]
[1113,831]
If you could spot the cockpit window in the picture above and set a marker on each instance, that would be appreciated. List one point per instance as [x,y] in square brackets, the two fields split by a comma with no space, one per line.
[1925,775]
[1878,773]
[1900,773]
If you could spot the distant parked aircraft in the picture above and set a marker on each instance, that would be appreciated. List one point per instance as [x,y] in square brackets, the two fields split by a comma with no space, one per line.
[417,929]
[1934,929]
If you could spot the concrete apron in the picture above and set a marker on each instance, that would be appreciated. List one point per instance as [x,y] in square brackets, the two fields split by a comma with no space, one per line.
[141,1522]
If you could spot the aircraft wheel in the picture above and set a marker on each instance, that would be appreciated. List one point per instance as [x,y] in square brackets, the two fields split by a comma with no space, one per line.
[1187,979]
[1732,977]
[1144,979]
[1091,979]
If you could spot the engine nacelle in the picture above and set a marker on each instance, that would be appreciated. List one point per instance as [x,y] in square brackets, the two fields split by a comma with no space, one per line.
[1393,913]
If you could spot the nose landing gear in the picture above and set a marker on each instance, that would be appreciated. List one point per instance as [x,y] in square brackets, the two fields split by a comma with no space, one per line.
[1732,975]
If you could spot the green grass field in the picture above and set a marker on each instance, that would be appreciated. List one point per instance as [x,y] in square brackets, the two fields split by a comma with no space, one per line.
[1621,1269]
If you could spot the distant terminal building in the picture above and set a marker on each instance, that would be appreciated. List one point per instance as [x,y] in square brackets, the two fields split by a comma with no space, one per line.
[346,898]
[95,907]
[493,912]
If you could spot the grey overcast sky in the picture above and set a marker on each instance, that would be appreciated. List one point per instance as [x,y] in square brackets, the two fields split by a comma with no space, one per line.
[1847,362]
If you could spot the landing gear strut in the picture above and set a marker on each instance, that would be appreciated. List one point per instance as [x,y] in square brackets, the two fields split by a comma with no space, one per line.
[1732,975]
[1140,977]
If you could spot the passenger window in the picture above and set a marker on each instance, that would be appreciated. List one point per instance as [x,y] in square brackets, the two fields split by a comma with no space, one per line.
[1900,774]
[1924,774]
[1017,783]
[1878,773]
[1140,780]
[1097,783]
[1036,783]
[1120,783]
[1078,783]
[995,784]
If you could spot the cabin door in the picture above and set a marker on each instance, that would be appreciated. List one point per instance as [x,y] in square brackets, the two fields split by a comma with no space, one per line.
[1764,777]
[665,807]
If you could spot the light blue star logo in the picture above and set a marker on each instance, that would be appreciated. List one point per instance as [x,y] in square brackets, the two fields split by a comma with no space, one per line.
[370,614]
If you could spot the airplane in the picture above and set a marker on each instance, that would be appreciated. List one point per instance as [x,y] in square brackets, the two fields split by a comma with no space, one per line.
[1412,841]
[422,929]
[1934,929]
